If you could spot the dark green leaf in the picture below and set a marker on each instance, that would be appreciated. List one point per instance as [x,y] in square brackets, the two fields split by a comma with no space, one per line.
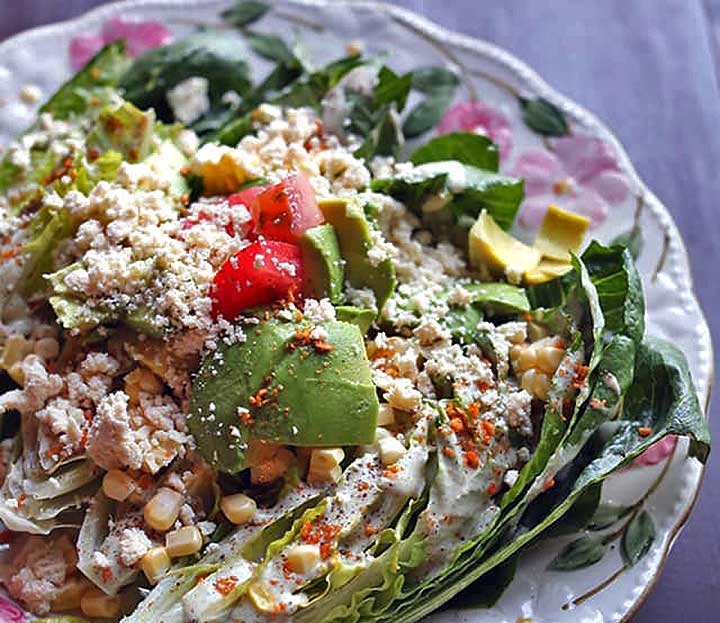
[608,515]
[233,131]
[272,47]
[486,591]
[383,140]
[544,117]
[430,79]
[638,538]
[462,323]
[207,54]
[96,82]
[579,554]
[427,113]
[465,147]
[580,515]
[481,190]
[245,12]
[392,89]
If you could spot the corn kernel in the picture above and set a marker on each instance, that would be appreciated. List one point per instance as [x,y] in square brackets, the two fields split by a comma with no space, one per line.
[163,509]
[47,348]
[155,564]
[303,558]
[325,465]
[386,415]
[69,594]
[95,603]
[15,349]
[118,485]
[382,433]
[391,450]
[238,508]
[183,541]
[17,373]
[273,468]
[527,358]
[536,383]
[549,358]
[261,597]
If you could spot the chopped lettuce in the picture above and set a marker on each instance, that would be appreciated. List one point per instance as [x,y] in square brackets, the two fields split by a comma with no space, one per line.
[123,129]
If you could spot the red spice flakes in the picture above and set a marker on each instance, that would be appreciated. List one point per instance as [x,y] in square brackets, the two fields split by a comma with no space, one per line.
[581,373]
[259,399]
[644,431]
[287,570]
[472,460]
[298,316]
[371,530]
[107,575]
[457,425]
[364,486]
[21,500]
[325,549]
[391,471]
[488,430]
[84,439]
[449,452]
[560,343]
[549,484]
[304,337]
[483,386]
[598,403]
[492,488]
[473,410]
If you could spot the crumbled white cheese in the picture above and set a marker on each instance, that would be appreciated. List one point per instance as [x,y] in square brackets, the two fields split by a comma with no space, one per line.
[189,99]
[319,311]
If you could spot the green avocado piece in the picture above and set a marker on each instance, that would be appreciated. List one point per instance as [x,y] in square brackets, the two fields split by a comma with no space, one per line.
[353,232]
[277,387]
[324,266]
[359,316]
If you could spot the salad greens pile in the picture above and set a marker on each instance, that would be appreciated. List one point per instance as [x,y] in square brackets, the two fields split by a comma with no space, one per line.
[408,537]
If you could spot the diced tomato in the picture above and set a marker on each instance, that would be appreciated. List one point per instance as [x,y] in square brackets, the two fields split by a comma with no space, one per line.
[246,198]
[288,209]
[263,272]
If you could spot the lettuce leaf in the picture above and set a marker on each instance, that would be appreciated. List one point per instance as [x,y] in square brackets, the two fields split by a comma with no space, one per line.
[92,86]
[124,129]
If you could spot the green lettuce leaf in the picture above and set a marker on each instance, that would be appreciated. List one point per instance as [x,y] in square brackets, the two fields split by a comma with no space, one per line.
[124,129]
[467,148]
[94,85]
[458,190]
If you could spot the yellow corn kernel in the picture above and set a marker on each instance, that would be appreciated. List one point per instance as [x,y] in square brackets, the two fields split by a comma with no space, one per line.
[527,358]
[17,373]
[163,509]
[183,541]
[15,350]
[95,603]
[536,383]
[69,594]
[273,468]
[46,348]
[155,564]
[238,508]
[118,485]
[391,450]
[325,465]
[549,358]
[386,415]
[261,597]
[303,558]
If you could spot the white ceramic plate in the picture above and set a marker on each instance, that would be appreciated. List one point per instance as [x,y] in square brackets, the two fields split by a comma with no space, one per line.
[604,592]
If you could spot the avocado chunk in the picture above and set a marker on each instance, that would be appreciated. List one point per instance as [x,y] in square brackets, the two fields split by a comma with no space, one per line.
[355,238]
[490,246]
[324,266]
[361,317]
[561,232]
[546,270]
[286,384]
[498,299]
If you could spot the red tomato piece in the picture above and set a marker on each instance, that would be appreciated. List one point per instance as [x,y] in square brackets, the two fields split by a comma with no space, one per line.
[263,272]
[248,198]
[287,210]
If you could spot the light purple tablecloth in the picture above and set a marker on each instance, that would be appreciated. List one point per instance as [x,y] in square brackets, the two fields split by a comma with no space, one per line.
[649,68]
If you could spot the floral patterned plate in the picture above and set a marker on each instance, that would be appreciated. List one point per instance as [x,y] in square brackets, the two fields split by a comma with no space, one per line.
[566,157]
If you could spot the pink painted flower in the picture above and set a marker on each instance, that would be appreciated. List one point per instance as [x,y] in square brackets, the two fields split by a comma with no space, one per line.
[580,174]
[139,37]
[474,116]
[658,452]
[10,613]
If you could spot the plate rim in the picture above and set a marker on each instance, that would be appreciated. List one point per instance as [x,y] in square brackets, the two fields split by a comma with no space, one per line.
[528,77]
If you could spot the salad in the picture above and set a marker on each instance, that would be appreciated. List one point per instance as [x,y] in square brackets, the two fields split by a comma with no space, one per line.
[270,351]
